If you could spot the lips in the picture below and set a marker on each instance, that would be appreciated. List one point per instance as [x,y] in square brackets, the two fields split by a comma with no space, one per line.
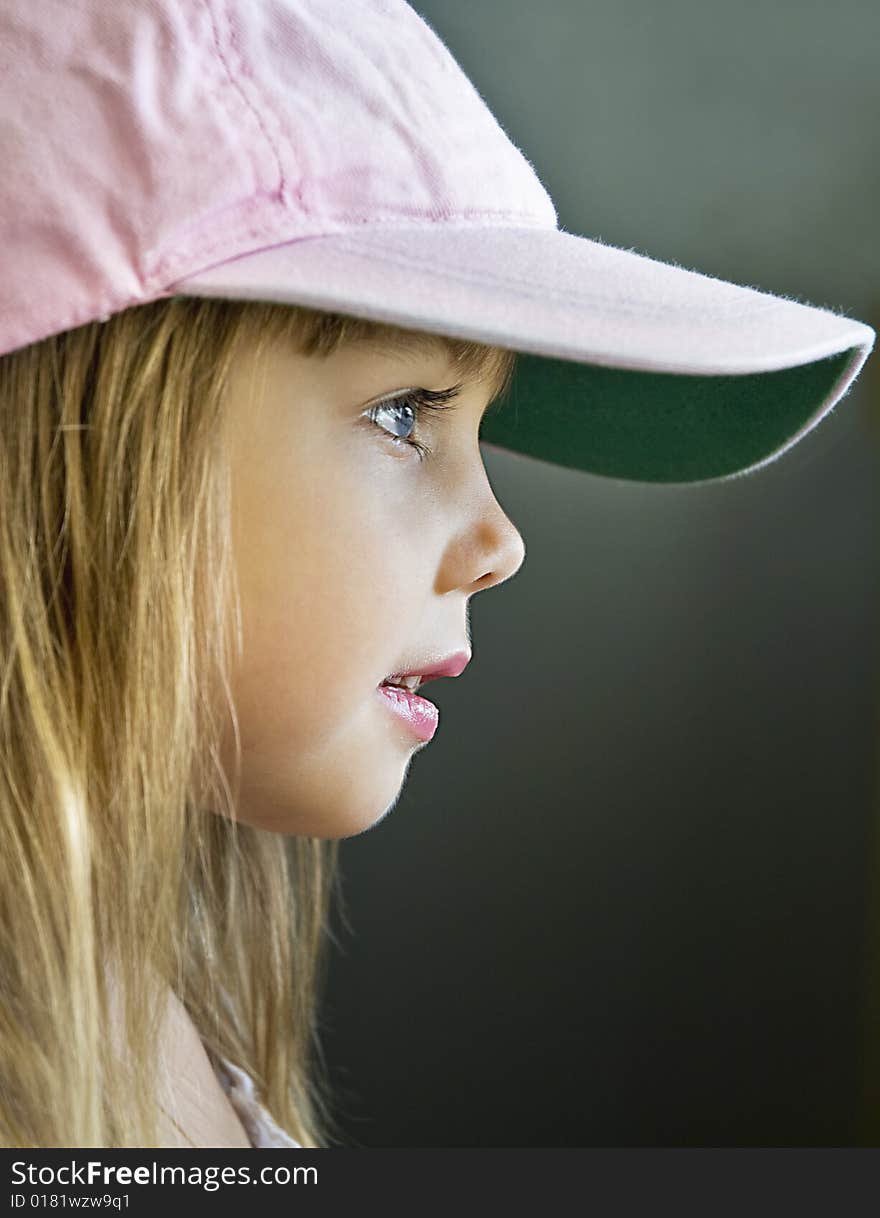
[451,666]
[418,714]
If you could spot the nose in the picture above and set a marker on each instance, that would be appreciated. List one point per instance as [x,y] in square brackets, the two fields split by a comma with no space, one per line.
[488,550]
[504,548]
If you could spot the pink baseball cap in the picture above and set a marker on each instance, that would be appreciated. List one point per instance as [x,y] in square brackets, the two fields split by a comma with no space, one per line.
[332,153]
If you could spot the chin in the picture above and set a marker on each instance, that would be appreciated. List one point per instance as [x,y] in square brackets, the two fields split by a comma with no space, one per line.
[360,817]
[335,826]
[330,811]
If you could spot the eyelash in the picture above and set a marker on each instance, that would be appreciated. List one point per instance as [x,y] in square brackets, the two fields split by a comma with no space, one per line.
[419,401]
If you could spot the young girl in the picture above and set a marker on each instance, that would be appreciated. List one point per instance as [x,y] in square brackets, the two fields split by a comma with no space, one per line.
[118,556]
[266,269]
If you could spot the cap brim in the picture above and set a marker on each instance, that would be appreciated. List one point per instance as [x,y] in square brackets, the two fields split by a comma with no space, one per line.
[630,368]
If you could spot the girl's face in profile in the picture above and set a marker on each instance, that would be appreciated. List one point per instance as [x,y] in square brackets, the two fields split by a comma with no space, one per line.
[356,559]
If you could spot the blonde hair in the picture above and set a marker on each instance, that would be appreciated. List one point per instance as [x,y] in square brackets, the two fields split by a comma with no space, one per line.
[123,870]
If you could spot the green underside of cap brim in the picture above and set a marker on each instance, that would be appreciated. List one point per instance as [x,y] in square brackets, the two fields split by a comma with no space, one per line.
[655,426]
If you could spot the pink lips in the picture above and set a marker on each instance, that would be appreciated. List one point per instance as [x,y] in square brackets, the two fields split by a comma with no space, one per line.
[452,666]
[420,715]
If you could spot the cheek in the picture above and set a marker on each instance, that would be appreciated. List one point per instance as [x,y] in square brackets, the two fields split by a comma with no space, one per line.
[332,601]
[330,591]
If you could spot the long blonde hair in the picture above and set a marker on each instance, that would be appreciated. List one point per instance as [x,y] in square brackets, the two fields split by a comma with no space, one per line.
[123,870]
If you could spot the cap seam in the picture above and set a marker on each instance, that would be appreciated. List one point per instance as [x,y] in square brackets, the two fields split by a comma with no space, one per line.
[162,270]
[550,292]
[236,85]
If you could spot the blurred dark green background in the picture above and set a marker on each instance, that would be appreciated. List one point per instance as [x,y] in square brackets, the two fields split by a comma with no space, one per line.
[627,895]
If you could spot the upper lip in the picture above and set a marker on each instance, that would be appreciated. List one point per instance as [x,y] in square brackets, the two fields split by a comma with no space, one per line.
[452,666]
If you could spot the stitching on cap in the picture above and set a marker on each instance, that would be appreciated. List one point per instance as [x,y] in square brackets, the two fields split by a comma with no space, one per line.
[215,92]
[238,88]
[269,229]
[550,293]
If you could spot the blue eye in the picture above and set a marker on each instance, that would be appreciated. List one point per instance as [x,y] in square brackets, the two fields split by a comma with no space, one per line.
[398,419]
[405,411]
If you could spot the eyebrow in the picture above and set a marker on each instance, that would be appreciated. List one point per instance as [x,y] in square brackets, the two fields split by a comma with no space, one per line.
[406,342]
[415,342]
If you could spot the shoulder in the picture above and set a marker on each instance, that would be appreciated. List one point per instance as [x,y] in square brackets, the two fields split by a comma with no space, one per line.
[190,1092]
